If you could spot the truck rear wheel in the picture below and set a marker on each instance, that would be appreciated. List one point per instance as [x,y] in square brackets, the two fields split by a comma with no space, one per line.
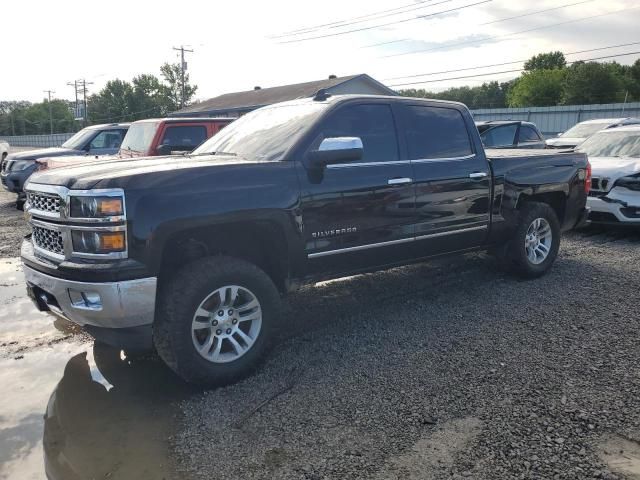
[536,241]
[215,320]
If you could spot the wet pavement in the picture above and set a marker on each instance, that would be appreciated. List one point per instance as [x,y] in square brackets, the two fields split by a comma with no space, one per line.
[71,409]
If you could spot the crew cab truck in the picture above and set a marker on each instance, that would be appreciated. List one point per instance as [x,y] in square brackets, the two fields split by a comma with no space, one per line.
[191,255]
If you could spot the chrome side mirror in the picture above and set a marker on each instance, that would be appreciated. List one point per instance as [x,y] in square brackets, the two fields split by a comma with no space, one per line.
[336,150]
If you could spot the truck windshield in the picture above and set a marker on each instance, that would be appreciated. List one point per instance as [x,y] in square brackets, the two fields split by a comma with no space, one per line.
[80,139]
[265,134]
[612,144]
[583,130]
[139,137]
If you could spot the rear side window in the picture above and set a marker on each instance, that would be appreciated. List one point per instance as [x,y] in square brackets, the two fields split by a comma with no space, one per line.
[435,132]
[528,134]
[500,136]
[188,136]
[373,124]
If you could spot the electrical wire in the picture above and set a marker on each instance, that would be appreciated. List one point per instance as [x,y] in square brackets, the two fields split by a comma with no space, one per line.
[386,24]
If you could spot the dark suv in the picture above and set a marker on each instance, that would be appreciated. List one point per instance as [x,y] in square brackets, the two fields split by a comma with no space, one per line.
[93,140]
[510,134]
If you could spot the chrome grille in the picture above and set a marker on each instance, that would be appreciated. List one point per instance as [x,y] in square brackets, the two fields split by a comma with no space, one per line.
[47,239]
[599,184]
[3,165]
[43,202]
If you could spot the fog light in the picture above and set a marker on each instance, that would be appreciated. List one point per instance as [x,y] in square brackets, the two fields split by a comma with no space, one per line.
[90,300]
[86,241]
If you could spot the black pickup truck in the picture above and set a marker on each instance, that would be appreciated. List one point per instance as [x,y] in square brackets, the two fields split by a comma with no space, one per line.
[191,254]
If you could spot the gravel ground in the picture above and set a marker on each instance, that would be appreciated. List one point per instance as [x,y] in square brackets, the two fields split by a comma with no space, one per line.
[12,225]
[445,370]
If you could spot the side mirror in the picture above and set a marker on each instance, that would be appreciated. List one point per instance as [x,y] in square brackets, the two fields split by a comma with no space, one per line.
[336,150]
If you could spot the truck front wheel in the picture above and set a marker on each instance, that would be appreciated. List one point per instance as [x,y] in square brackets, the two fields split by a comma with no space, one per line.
[535,243]
[215,320]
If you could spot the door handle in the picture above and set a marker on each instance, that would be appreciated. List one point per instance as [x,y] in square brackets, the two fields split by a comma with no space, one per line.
[478,175]
[399,181]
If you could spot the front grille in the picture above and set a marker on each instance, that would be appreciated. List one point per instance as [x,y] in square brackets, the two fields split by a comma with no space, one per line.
[600,184]
[47,239]
[44,202]
[603,217]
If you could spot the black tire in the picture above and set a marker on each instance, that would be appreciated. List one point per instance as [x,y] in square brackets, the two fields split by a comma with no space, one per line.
[516,258]
[180,298]
[20,204]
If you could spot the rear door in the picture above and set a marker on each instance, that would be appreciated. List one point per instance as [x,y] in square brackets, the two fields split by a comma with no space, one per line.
[451,177]
[358,214]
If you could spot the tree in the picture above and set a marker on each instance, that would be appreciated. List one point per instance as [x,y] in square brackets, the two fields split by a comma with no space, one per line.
[487,95]
[112,104]
[172,75]
[546,61]
[537,88]
[592,82]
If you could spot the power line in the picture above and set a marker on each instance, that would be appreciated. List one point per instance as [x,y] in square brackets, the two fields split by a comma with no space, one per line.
[492,22]
[510,34]
[360,19]
[508,71]
[507,63]
[386,24]
[49,92]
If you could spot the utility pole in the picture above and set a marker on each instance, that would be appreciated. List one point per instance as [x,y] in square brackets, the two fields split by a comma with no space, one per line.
[49,92]
[80,88]
[183,68]
[75,91]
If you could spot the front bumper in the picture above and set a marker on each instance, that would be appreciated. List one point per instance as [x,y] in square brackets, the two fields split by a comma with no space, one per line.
[620,205]
[14,181]
[103,308]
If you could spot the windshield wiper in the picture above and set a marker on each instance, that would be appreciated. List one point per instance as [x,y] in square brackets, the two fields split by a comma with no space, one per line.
[219,152]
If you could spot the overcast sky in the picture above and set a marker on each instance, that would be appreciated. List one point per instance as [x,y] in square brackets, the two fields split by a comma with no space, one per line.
[49,43]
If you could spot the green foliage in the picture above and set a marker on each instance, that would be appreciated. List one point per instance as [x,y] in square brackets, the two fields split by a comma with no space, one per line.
[25,118]
[145,97]
[548,81]
[546,61]
[487,95]
[537,88]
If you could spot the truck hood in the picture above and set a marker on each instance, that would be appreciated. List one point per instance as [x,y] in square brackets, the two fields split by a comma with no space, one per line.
[562,142]
[66,161]
[117,173]
[44,152]
[614,167]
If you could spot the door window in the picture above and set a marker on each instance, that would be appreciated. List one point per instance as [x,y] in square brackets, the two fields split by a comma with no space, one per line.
[110,139]
[373,124]
[500,136]
[435,132]
[528,134]
[185,137]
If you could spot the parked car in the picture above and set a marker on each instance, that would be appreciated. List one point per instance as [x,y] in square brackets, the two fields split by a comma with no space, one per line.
[289,194]
[583,130]
[160,136]
[4,151]
[615,186]
[94,140]
[510,134]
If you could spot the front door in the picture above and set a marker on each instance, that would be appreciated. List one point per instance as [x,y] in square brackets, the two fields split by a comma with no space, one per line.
[358,214]
[451,176]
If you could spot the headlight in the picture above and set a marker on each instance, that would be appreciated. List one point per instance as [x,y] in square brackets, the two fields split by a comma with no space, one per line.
[631,182]
[95,207]
[98,242]
[17,165]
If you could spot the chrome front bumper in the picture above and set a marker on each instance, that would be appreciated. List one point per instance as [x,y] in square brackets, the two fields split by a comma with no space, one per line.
[123,304]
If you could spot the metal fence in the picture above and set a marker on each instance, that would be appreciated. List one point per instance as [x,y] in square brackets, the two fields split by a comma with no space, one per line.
[43,141]
[553,120]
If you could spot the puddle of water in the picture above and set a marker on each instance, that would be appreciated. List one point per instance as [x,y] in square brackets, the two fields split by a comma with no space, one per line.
[622,455]
[74,410]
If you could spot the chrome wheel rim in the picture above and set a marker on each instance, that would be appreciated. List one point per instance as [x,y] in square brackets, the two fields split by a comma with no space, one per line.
[226,324]
[537,242]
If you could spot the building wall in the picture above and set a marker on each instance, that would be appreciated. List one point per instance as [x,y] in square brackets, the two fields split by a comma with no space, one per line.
[554,120]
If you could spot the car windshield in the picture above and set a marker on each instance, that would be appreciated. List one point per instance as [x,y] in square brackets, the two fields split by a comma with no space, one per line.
[139,136]
[265,134]
[612,144]
[80,139]
[583,130]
